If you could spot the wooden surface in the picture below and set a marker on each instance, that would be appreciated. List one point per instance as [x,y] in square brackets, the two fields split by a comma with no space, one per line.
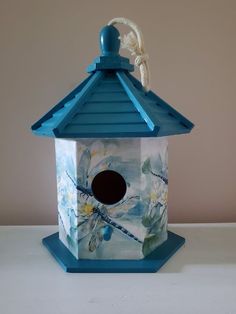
[200,278]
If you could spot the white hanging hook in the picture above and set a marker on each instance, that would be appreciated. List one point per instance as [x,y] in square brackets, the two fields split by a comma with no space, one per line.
[134,42]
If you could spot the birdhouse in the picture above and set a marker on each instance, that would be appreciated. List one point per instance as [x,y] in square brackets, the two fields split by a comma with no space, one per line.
[111,141]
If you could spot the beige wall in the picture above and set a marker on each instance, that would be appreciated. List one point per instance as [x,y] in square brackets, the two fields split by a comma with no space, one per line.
[45,48]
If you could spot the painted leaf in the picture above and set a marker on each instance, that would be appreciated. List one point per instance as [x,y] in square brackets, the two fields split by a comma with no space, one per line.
[146,168]
[95,240]
[71,238]
[152,241]
[152,215]
[160,224]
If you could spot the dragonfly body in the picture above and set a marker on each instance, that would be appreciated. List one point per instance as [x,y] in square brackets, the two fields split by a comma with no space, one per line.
[164,179]
[114,224]
[87,195]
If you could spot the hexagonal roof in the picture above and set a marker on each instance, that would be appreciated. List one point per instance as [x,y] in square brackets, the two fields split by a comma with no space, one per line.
[111,103]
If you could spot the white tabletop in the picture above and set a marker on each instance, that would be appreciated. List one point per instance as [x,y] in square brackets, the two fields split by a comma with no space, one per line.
[199,278]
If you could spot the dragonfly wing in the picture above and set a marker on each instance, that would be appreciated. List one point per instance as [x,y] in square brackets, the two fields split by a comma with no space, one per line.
[86,226]
[96,238]
[123,206]
[158,164]
[83,167]
[104,164]
[81,184]
[94,242]
[165,164]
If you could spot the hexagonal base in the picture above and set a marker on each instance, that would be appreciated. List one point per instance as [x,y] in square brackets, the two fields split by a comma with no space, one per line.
[150,264]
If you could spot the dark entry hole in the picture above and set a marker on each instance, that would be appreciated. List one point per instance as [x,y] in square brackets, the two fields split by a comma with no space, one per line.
[108,187]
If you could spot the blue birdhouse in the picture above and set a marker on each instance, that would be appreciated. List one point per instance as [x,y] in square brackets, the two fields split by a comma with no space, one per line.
[111,140]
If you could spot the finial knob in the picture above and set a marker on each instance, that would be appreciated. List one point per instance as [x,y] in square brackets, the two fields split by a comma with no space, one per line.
[109,40]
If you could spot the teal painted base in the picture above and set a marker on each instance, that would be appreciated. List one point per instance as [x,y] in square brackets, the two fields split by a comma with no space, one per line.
[150,264]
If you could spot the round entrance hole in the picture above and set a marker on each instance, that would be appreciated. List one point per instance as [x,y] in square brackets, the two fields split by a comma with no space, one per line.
[108,187]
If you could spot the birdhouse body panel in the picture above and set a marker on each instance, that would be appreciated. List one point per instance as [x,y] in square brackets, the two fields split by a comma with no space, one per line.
[112,196]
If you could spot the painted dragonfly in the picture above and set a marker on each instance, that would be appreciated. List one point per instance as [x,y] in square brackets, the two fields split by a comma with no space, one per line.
[162,171]
[93,217]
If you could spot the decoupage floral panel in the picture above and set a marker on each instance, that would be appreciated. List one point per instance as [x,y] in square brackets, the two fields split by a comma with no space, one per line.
[128,229]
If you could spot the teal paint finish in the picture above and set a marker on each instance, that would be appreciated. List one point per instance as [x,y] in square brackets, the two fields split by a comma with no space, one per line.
[110,59]
[61,107]
[109,41]
[110,63]
[150,264]
[111,103]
